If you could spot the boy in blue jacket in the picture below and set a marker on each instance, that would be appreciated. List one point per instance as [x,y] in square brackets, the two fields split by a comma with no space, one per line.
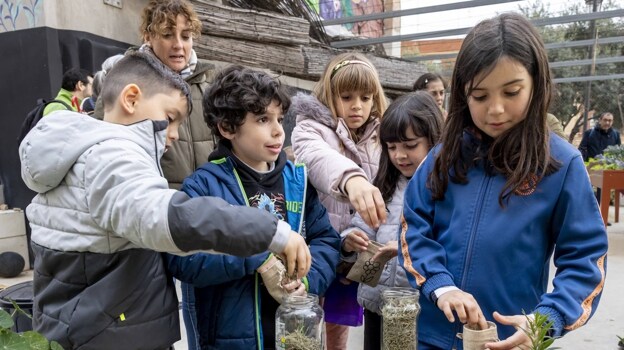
[229,302]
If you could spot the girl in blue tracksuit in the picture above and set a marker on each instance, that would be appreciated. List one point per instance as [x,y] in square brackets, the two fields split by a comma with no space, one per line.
[489,207]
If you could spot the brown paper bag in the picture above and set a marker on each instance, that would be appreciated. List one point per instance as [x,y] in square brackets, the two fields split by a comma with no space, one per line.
[366,270]
[475,339]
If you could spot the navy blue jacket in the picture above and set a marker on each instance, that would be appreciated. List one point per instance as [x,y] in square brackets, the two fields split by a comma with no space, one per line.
[501,255]
[226,290]
[595,140]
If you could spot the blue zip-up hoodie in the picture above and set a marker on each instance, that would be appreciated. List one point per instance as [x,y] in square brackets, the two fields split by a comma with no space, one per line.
[221,293]
[501,255]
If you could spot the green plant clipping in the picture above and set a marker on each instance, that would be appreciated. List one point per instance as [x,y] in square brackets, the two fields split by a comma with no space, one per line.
[538,329]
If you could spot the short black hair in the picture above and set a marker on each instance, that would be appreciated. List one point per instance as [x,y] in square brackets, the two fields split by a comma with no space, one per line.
[238,90]
[148,73]
[72,76]
[424,80]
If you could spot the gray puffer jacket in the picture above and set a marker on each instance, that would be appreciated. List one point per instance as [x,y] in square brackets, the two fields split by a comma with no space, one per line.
[393,274]
[324,144]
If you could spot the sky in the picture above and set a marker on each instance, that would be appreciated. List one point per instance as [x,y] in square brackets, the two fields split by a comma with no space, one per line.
[462,18]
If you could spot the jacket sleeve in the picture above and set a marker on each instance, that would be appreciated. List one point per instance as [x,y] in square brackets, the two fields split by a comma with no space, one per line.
[422,257]
[324,243]
[328,169]
[581,243]
[203,269]
[127,196]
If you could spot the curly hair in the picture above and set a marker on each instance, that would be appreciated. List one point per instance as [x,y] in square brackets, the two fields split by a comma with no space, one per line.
[159,15]
[237,91]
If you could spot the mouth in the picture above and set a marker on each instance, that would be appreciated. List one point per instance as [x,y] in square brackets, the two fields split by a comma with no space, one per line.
[177,57]
[277,148]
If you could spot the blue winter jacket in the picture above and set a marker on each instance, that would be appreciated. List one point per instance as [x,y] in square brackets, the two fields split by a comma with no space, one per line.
[501,255]
[225,289]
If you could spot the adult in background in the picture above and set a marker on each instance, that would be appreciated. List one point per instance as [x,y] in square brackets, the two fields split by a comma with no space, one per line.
[168,28]
[75,86]
[435,85]
[601,136]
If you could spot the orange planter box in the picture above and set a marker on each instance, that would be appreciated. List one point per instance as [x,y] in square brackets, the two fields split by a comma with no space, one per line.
[607,181]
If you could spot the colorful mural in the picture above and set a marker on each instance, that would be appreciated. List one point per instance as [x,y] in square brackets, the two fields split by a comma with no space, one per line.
[333,9]
[19,14]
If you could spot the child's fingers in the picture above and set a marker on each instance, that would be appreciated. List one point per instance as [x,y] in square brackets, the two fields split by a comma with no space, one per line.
[380,205]
[518,340]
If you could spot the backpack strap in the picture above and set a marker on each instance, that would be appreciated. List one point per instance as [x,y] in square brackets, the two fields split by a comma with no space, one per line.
[68,107]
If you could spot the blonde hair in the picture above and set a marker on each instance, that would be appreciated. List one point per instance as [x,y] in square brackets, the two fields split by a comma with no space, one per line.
[160,15]
[351,71]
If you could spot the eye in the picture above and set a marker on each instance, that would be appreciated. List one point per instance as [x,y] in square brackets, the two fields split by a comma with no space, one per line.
[480,98]
[366,98]
[263,120]
[391,147]
[170,119]
[280,120]
[512,93]
[167,35]
[345,97]
[411,146]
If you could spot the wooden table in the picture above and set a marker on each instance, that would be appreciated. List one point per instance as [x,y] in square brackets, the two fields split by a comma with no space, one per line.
[608,180]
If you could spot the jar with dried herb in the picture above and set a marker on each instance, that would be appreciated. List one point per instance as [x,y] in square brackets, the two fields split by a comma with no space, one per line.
[299,323]
[399,311]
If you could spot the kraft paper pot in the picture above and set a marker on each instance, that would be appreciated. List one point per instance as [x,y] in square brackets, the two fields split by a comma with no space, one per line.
[366,270]
[475,339]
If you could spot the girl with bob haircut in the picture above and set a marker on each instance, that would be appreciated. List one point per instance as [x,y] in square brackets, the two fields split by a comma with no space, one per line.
[498,198]
[336,137]
[411,125]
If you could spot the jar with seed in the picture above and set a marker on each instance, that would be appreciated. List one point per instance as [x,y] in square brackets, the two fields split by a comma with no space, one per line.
[299,323]
[399,311]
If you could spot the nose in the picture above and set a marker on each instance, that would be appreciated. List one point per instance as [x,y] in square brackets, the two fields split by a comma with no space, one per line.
[399,154]
[177,42]
[496,106]
[172,133]
[357,103]
[278,129]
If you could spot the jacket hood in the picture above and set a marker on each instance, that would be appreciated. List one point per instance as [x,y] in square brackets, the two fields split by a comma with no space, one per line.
[52,148]
[305,106]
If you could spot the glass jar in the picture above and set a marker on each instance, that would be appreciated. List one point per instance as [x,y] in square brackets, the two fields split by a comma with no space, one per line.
[299,323]
[399,311]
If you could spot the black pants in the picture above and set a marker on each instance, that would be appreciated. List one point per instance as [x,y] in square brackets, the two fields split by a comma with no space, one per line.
[372,330]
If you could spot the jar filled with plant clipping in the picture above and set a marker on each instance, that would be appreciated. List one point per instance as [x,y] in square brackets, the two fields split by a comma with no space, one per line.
[399,311]
[299,323]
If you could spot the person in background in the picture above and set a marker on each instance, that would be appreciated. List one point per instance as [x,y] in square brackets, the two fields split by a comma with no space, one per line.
[75,87]
[434,84]
[411,125]
[555,126]
[335,136]
[601,136]
[497,199]
[235,298]
[103,214]
[88,104]
[168,29]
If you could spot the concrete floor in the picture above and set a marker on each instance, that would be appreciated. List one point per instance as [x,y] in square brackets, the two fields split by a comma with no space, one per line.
[600,333]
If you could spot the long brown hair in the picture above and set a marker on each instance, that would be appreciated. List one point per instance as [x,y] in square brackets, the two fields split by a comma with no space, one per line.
[521,154]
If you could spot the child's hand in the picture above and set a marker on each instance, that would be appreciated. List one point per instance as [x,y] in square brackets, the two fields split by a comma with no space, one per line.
[519,340]
[355,241]
[297,254]
[367,200]
[295,287]
[464,305]
[388,251]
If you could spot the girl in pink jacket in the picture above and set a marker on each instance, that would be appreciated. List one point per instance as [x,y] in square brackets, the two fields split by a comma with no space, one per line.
[336,136]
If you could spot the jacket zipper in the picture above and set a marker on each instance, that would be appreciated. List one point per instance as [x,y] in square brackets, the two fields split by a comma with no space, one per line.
[485,184]
[256,290]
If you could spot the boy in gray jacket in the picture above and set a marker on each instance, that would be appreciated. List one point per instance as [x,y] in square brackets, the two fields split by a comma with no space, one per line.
[104,212]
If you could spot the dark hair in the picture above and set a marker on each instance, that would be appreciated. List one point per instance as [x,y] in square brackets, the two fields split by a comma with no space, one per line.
[521,154]
[235,92]
[148,73]
[422,81]
[601,115]
[417,111]
[74,75]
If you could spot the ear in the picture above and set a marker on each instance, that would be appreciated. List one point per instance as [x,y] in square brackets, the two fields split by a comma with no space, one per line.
[128,98]
[226,134]
[146,39]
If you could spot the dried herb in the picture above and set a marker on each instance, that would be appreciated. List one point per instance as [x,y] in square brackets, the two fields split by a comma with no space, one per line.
[399,324]
[297,340]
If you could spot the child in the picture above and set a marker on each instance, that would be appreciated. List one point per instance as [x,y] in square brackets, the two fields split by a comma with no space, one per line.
[411,125]
[487,209]
[336,137]
[434,84]
[228,306]
[103,211]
